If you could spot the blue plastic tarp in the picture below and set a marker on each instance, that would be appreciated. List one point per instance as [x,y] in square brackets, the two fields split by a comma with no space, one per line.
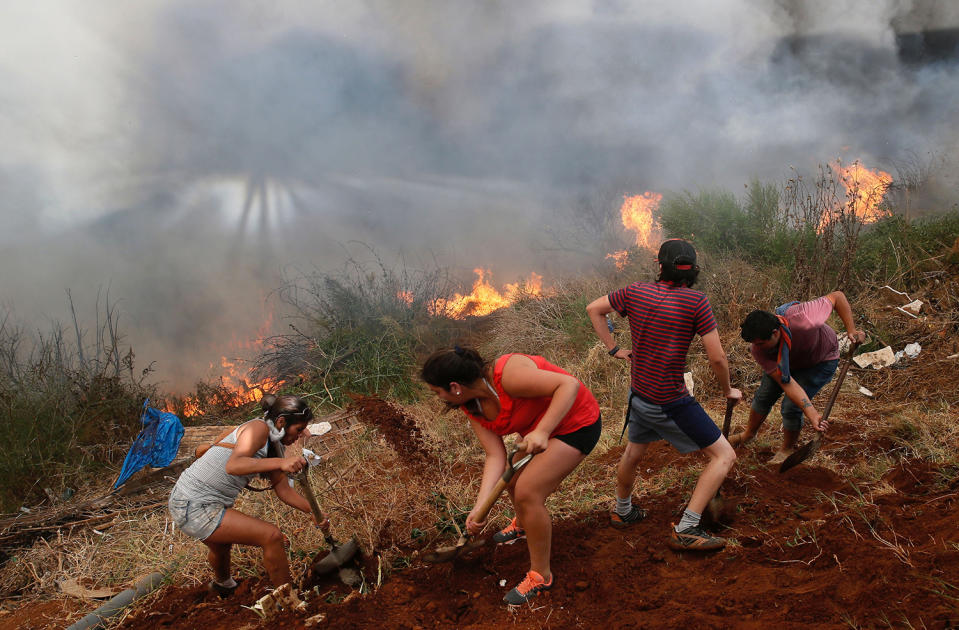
[156,445]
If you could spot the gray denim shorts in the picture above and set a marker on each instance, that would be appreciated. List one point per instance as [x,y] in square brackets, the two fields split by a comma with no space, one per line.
[195,519]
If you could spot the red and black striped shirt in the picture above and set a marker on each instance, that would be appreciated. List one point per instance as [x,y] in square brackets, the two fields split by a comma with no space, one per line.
[663,319]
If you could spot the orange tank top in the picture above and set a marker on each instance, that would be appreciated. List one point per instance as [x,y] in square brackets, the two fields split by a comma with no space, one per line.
[521,415]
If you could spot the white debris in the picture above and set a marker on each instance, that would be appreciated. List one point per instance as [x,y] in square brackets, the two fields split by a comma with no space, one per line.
[912,308]
[319,428]
[502,582]
[878,359]
[953,356]
[865,392]
[688,379]
[912,350]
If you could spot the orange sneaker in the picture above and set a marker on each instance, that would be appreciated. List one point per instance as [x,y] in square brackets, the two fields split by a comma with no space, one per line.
[509,534]
[530,587]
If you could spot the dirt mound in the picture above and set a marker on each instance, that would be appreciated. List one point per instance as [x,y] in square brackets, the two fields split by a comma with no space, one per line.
[396,426]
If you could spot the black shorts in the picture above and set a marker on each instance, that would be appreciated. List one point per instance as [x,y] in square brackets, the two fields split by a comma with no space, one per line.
[584,439]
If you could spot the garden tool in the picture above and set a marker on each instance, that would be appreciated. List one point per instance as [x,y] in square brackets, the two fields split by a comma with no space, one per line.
[339,554]
[810,448]
[448,554]
[714,508]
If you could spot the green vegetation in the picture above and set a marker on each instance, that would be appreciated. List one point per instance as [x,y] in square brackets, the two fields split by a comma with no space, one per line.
[64,407]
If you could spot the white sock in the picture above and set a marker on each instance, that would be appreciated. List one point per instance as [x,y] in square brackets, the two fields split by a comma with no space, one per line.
[623,506]
[690,519]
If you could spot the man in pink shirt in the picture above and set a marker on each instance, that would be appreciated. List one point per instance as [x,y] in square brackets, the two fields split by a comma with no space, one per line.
[798,352]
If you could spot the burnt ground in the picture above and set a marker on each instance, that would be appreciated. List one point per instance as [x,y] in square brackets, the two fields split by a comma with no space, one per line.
[811,550]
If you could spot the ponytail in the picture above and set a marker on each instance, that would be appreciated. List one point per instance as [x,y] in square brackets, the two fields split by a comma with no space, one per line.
[456,365]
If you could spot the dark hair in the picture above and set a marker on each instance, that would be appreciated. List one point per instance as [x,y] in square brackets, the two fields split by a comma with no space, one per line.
[758,325]
[293,408]
[456,365]
[684,277]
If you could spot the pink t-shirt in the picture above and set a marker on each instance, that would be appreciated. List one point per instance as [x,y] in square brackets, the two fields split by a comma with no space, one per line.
[814,341]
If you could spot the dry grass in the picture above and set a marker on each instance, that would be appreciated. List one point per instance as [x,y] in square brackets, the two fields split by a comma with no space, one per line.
[372,495]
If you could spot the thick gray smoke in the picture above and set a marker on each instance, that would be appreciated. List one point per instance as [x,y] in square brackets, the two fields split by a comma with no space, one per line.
[188,154]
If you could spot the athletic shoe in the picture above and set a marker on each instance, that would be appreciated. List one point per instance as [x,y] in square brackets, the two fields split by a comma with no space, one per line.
[529,588]
[694,539]
[635,515]
[509,534]
[220,590]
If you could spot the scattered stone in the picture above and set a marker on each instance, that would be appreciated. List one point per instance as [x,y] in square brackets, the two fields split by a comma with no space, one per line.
[878,359]
[865,392]
[315,620]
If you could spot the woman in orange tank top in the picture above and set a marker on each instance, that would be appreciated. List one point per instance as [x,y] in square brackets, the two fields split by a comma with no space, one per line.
[558,419]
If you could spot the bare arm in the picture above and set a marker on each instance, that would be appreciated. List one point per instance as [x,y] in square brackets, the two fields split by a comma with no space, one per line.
[597,311]
[797,394]
[841,305]
[251,438]
[522,379]
[493,469]
[719,364]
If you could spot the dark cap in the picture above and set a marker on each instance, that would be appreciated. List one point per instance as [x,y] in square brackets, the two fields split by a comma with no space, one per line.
[678,253]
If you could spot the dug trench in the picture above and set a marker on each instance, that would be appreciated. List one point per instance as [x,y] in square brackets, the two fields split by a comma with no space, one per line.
[807,549]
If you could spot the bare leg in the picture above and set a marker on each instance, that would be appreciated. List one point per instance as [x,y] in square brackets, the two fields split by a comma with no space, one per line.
[789,439]
[721,459]
[219,559]
[238,528]
[536,482]
[755,421]
[626,470]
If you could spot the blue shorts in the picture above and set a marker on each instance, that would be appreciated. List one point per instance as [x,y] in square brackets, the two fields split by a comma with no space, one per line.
[195,519]
[810,379]
[682,423]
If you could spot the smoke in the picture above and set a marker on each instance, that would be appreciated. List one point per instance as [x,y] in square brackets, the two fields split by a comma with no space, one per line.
[189,155]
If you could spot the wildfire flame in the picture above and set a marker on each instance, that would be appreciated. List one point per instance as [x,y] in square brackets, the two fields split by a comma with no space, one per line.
[864,190]
[484,298]
[637,215]
[236,387]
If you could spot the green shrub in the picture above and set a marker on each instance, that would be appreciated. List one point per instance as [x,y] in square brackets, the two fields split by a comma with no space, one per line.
[360,331]
[68,410]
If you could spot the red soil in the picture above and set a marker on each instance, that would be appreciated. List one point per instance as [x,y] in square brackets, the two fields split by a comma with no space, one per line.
[890,558]
[799,563]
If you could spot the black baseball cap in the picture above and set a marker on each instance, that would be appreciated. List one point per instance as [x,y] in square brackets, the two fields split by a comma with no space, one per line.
[678,253]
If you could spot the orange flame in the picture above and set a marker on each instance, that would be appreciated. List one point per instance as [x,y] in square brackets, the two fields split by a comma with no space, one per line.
[864,190]
[406,297]
[637,215]
[484,299]
[235,387]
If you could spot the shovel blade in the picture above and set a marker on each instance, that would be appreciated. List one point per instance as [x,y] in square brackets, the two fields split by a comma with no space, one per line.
[714,510]
[448,554]
[801,455]
[337,557]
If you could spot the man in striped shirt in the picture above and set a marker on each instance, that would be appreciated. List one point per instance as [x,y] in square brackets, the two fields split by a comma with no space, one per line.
[664,316]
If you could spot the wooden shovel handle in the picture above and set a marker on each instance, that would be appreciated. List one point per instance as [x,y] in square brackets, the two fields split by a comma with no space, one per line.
[839,379]
[730,403]
[503,481]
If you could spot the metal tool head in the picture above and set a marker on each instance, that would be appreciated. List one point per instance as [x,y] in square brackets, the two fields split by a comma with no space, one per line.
[808,450]
[337,557]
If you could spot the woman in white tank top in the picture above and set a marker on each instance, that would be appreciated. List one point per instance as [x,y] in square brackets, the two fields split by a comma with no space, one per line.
[202,500]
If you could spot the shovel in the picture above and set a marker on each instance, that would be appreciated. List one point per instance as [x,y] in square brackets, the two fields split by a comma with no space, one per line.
[448,554]
[714,509]
[810,448]
[339,554]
